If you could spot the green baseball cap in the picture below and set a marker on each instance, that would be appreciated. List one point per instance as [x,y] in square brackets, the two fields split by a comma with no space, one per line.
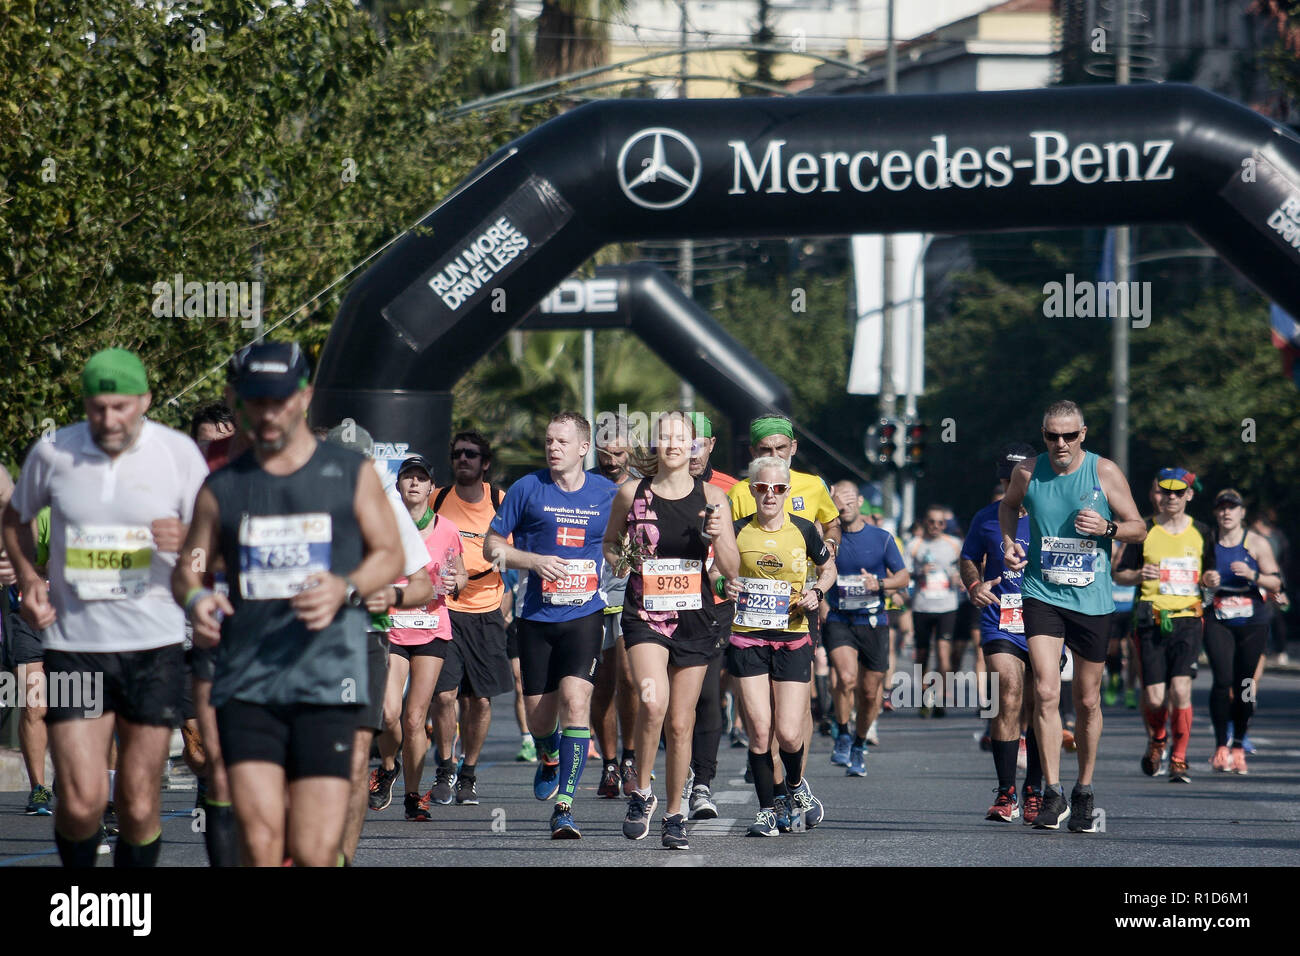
[114,372]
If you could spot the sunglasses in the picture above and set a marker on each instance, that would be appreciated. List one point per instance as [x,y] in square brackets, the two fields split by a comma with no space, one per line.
[762,487]
[1067,437]
[1170,493]
[471,453]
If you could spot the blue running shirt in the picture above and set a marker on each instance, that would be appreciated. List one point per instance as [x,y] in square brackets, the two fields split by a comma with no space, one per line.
[1001,621]
[875,550]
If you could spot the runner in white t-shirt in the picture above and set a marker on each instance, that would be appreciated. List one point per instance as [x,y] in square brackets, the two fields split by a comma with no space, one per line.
[121,491]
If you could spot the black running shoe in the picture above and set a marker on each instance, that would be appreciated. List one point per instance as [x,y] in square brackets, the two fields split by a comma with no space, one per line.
[417,808]
[636,825]
[1053,811]
[466,792]
[675,833]
[1082,818]
[444,784]
[381,786]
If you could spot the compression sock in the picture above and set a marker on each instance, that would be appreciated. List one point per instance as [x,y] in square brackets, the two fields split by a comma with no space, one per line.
[138,855]
[793,764]
[78,853]
[446,763]
[1033,761]
[859,741]
[780,789]
[1182,733]
[219,834]
[573,757]
[469,771]
[549,746]
[1004,761]
[1156,722]
[761,767]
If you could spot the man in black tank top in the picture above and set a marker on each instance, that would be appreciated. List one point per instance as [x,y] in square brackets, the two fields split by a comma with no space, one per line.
[305,533]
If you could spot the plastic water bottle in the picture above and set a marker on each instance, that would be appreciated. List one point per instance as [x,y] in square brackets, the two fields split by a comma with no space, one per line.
[1093,501]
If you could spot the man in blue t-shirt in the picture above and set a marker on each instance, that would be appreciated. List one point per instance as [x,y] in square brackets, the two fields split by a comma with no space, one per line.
[996,592]
[558,517]
[856,634]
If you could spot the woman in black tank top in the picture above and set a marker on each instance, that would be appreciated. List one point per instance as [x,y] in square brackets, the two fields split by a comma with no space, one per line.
[669,627]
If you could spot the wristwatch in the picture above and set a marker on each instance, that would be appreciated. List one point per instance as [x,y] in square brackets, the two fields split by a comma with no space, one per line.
[352,597]
[1111,529]
[821,595]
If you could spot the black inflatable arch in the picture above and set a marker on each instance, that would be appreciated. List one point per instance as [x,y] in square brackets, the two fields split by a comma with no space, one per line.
[623,170]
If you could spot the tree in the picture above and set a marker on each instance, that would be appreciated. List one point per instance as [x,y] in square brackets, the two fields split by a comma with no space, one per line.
[573,35]
[764,35]
[276,145]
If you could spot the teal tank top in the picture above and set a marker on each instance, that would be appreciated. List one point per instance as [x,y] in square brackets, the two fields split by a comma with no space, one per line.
[1065,569]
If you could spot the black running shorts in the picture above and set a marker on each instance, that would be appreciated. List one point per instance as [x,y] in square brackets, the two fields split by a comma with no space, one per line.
[699,652]
[551,651]
[1087,635]
[871,642]
[1165,656]
[778,663]
[477,664]
[434,648]
[307,740]
[144,687]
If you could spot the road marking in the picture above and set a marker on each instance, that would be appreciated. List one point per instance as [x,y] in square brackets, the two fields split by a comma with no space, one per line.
[733,796]
[719,826]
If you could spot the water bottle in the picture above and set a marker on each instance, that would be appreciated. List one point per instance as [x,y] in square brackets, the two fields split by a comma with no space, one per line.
[1092,502]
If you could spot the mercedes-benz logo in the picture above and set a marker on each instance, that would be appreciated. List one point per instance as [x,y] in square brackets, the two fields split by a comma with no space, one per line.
[658,159]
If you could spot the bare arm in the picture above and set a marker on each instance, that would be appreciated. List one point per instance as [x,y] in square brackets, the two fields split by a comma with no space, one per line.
[617,524]
[198,552]
[1131,528]
[726,555]
[1269,577]
[1013,553]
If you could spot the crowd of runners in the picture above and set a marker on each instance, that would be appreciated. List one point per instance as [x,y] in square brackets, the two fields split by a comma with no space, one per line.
[316,625]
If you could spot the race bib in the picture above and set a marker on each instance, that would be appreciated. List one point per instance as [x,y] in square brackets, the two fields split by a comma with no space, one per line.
[1233,607]
[108,562]
[278,553]
[671,584]
[420,619]
[1178,576]
[578,585]
[763,604]
[1010,614]
[1071,561]
[852,594]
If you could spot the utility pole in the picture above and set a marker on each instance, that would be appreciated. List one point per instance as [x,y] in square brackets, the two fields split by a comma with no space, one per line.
[686,248]
[888,397]
[1119,343]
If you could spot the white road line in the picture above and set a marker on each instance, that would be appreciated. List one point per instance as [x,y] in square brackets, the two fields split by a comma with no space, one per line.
[720,826]
[733,796]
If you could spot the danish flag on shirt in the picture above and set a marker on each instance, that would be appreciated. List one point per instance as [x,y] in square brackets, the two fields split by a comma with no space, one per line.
[568,537]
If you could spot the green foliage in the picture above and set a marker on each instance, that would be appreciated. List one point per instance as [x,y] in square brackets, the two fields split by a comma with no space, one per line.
[239,142]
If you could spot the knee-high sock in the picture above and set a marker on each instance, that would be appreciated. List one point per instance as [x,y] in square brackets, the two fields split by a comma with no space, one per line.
[1004,761]
[761,765]
[1033,761]
[78,853]
[220,835]
[1182,733]
[573,757]
[1156,721]
[136,855]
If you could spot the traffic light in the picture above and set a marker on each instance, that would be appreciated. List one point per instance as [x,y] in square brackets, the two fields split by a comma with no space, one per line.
[914,445]
[882,443]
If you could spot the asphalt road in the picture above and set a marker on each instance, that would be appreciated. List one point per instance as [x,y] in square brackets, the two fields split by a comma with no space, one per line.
[922,804]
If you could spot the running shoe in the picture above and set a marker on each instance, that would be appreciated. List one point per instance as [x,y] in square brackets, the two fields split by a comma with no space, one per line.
[1005,808]
[826,727]
[562,825]
[739,738]
[803,802]
[1131,699]
[1239,761]
[857,762]
[636,825]
[417,808]
[887,705]
[986,742]
[609,781]
[840,755]
[629,777]
[546,781]
[1051,812]
[466,791]
[702,806]
[1067,740]
[110,820]
[749,773]
[674,833]
[1178,772]
[1246,745]
[764,824]
[1022,755]
[1082,819]
[1222,760]
[783,813]
[527,750]
[1031,805]
[1110,692]
[872,737]
[1164,761]
[444,784]
[1151,759]
[381,786]
[38,802]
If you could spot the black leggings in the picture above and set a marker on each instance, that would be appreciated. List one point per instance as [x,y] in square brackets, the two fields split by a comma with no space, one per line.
[1234,654]
[709,724]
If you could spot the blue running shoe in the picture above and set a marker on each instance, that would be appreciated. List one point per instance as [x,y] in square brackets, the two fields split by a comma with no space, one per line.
[783,813]
[1246,745]
[38,803]
[840,755]
[804,804]
[857,762]
[546,781]
[562,825]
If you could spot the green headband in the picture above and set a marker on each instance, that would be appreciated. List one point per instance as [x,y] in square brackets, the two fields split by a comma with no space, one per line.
[703,427]
[761,428]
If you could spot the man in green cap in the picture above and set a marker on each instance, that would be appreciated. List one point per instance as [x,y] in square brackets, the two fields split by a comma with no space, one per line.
[121,491]
[809,498]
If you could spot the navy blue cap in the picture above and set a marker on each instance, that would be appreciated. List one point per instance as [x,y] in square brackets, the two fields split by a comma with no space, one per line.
[269,370]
